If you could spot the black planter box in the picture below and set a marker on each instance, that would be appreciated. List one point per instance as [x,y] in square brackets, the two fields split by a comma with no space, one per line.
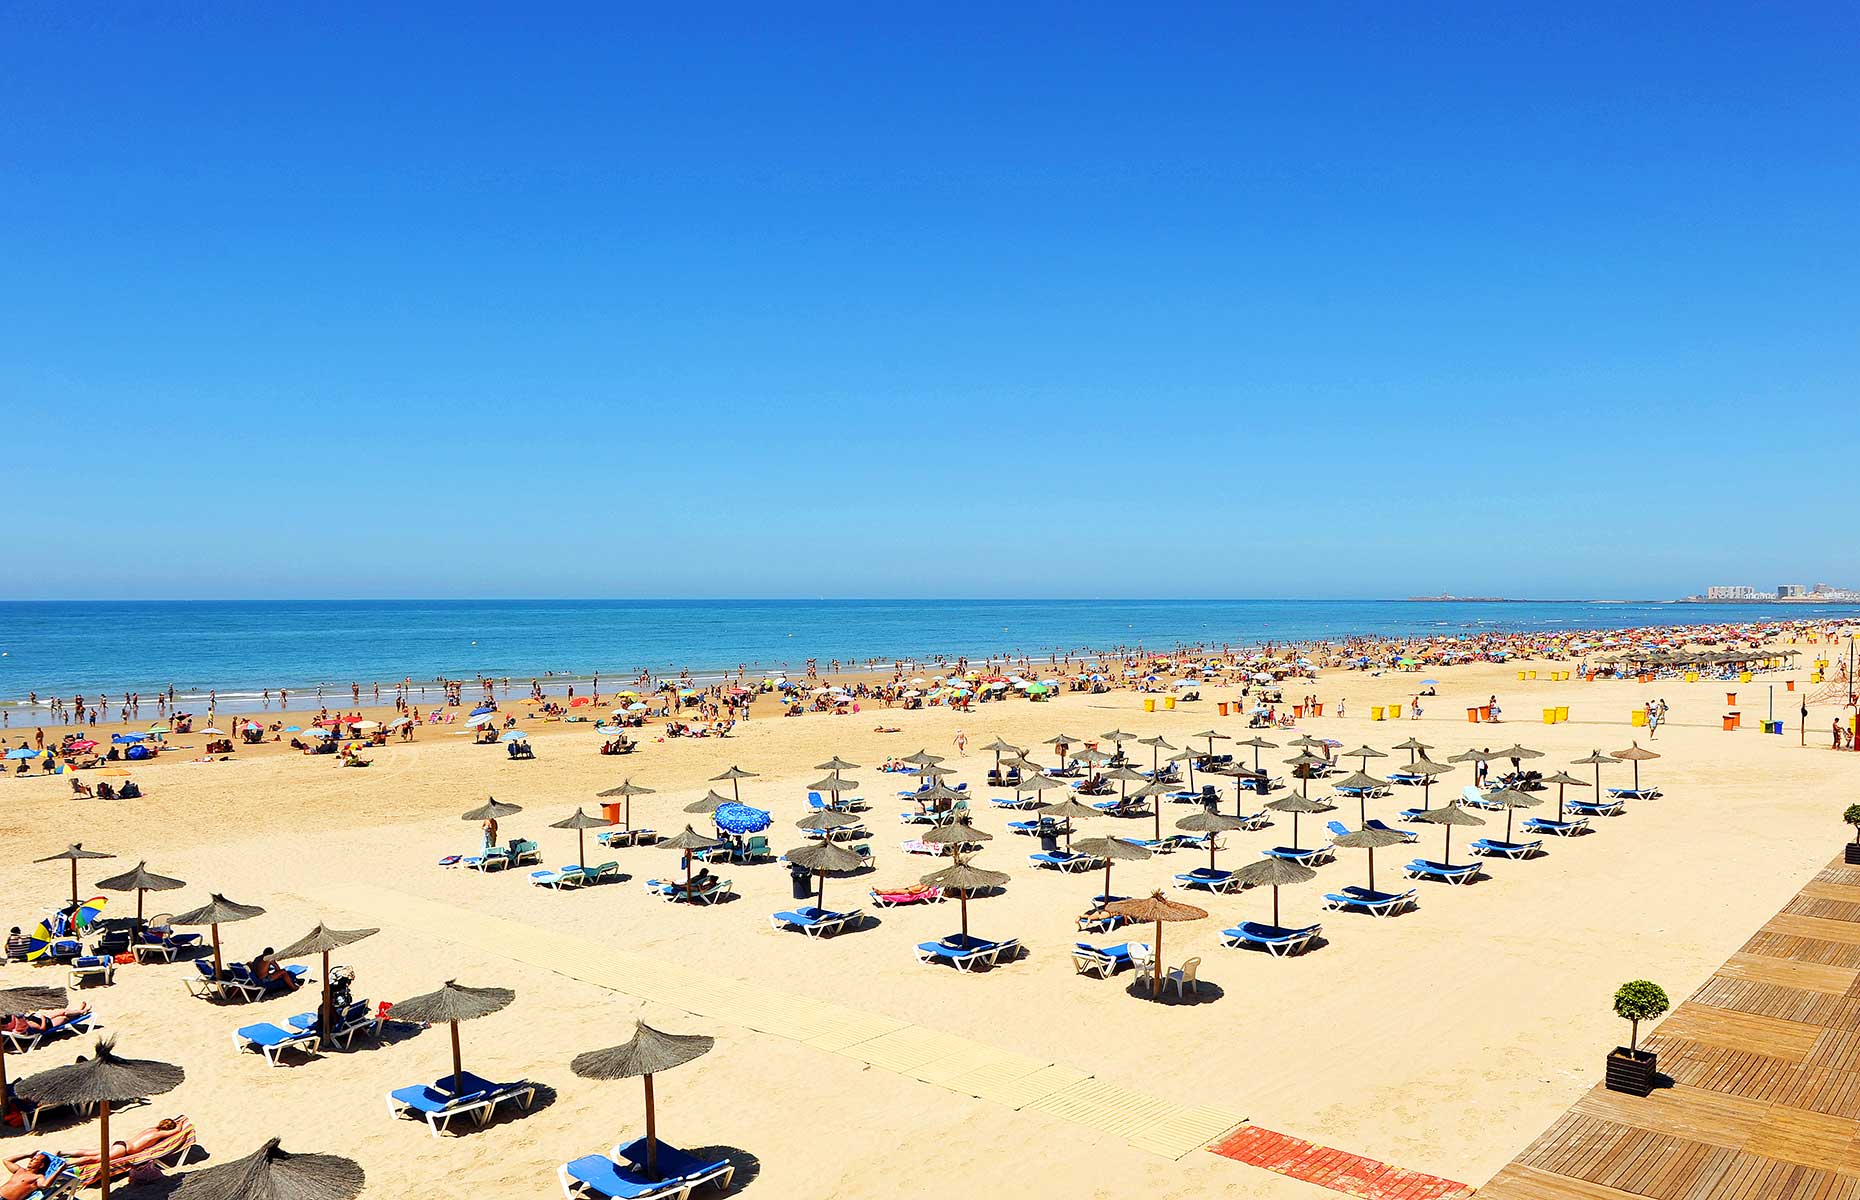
[1631,1071]
[1853,854]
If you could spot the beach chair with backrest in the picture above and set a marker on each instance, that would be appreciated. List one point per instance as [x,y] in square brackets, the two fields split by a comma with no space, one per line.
[1455,873]
[273,1041]
[1276,940]
[1555,828]
[1376,904]
[1494,848]
[1209,879]
[1383,827]
[1184,976]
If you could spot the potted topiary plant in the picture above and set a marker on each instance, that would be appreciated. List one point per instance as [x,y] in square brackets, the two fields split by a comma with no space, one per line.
[1631,1069]
[1852,817]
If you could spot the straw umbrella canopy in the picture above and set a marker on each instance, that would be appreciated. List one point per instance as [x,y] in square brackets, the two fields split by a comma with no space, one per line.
[141,881]
[102,1079]
[73,854]
[1306,760]
[1636,755]
[1563,779]
[1306,741]
[923,758]
[626,791]
[1475,757]
[825,819]
[1211,735]
[956,833]
[1187,756]
[1090,757]
[686,842]
[1427,768]
[650,1052]
[1513,800]
[1156,908]
[1449,816]
[452,1003]
[322,940]
[834,783]
[1111,849]
[1157,745]
[1036,783]
[17,1002]
[492,809]
[581,822]
[1274,873]
[217,912]
[1597,760]
[733,775]
[824,859]
[1296,805]
[1059,742]
[962,878]
[1209,822]
[1068,810]
[1517,754]
[1361,781]
[1364,752]
[1371,840]
[274,1173]
[936,793]
[836,764]
[1414,746]
[1124,775]
[708,804]
[1258,743]
[1118,737]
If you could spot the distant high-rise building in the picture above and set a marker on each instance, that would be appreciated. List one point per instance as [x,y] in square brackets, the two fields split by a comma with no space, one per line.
[1737,591]
[1785,591]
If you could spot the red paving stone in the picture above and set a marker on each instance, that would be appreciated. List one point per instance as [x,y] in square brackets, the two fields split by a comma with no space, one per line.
[1338,1170]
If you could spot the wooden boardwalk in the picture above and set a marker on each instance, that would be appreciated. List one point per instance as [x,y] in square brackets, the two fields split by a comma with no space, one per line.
[1765,1064]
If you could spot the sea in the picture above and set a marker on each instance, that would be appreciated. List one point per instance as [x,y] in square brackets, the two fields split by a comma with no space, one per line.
[238,648]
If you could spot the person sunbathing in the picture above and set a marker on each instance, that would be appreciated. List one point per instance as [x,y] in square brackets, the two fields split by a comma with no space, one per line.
[80,788]
[26,1174]
[149,1138]
[266,970]
[42,1022]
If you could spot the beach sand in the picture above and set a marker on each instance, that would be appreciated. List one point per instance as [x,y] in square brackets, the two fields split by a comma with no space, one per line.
[1441,1041]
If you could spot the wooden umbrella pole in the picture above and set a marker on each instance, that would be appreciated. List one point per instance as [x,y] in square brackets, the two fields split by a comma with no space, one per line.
[74,898]
[103,1177]
[329,1018]
[652,1133]
[1156,977]
[216,951]
[458,1070]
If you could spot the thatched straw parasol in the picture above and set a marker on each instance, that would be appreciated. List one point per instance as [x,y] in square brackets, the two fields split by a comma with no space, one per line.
[1563,779]
[824,859]
[708,804]
[1307,761]
[1118,737]
[1364,752]
[274,1173]
[581,822]
[1427,768]
[956,833]
[492,809]
[626,791]
[824,819]
[1296,805]
[1157,745]
[1361,781]
[1449,816]
[1371,840]
[686,842]
[734,774]
[1513,800]
[103,1079]
[141,881]
[1258,743]
[1274,873]
[836,764]
[962,878]
[452,1003]
[1598,760]
[1112,849]
[74,854]
[217,912]
[1636,755]
[1209,822]
[322,940]
[1068,810]
[1059,742]
[1153,792]
[1156,908]
[650,1052]
[1211,735]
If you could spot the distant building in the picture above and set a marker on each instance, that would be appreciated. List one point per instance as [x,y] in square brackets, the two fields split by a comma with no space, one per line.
[1786,591]
[1737,591]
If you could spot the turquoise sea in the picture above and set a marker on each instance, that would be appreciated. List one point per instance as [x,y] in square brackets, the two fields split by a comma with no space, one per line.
[58,648]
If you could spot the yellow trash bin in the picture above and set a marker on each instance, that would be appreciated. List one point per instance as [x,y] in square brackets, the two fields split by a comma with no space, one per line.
[1815,677]
[1743,677]
[1692,676]
[1533,674]
[1549,716]
[1394,712]
[1168,701]
[1562,712]
[1375,712]
[1638,716]
[1520,676]
[1149,704]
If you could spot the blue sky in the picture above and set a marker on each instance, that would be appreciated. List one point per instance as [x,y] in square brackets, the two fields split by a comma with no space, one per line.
[965,300]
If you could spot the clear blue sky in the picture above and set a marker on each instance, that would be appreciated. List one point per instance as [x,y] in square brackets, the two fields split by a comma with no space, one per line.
[994,300]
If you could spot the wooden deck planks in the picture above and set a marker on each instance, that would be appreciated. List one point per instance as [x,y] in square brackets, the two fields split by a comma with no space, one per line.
[1764,1063]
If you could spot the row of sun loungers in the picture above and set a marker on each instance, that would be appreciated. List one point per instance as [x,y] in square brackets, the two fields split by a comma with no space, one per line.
[707,891]
[236,982]
[301,1033]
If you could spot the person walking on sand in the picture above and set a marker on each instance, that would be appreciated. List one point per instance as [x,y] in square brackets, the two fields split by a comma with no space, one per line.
[962,744]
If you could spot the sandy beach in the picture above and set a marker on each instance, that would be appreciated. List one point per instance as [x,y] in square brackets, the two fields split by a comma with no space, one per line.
[1439,1041]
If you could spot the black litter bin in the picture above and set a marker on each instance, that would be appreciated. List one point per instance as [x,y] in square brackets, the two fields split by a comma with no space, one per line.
[802,881]
[1049,842]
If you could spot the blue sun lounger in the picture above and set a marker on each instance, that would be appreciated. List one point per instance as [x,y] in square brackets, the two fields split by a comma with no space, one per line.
[1410,834]
[1209,879]
[1376,904]
[1456,873]
[1018,802]
[1513,850]
[61,1180]
[570,876]
[1276,940]
[1412,814]
[273,1040]
[1109,960]
[1556,828]
[815,922]
[1060,860]
[1646,793]
[20,1043]
[964,953]
[238,981]
[1044,827]
[439,1105]
[1304,858]
[687,1167]
[596,1175]
[350,1021]
[1596,808]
